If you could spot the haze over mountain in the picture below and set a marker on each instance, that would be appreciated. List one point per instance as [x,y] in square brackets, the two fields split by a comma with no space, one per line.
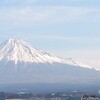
[21,63]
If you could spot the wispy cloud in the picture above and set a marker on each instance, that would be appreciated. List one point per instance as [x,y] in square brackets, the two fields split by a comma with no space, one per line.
[22,15]
[46,14]
[67,38]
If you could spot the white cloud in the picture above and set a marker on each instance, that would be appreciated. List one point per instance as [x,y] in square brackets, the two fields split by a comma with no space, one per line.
[21,15]
[69,38]
[44,14]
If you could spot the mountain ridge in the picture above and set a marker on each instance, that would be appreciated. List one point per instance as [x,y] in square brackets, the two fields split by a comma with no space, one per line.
[18,50]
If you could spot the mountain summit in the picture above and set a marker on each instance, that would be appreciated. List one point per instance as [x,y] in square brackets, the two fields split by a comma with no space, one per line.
[20,51]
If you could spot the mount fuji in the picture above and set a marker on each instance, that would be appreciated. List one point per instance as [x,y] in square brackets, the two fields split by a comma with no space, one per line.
[19,51]
[21,63]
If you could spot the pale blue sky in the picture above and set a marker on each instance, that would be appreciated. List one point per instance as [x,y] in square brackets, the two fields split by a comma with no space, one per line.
[67,28]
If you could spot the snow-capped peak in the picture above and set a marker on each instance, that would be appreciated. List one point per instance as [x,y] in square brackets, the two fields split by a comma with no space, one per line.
[20,51]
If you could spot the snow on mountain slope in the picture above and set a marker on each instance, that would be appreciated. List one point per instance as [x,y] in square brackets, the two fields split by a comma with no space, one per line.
[21,63]
[20,51]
